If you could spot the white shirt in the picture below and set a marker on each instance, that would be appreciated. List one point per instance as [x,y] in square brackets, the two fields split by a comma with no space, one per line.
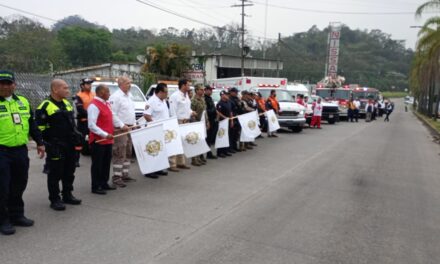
[123,107]
[92,117]
[317,110]
[158,109]
[180,105]
[357,104]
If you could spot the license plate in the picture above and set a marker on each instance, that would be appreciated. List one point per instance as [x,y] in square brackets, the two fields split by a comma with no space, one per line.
[330,116]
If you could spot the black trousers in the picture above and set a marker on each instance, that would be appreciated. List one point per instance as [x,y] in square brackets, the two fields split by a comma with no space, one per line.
[101,161]
[14,167]
[211,133]
[234,135]
[61,164]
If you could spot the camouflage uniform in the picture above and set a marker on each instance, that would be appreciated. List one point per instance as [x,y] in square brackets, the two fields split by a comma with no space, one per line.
[198,105]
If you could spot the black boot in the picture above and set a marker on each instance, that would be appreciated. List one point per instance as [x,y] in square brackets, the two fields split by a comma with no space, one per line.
[68,198]
[57,205]
[22,221]
[210,156]
[6,228]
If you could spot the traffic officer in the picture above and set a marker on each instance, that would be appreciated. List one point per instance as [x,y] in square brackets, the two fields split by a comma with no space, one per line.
[17,123]
[82,101]
[55,119]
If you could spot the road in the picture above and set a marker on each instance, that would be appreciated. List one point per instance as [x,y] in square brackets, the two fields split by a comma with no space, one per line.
[349,193]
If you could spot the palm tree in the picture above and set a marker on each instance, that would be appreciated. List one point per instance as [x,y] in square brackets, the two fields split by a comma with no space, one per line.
[425,74]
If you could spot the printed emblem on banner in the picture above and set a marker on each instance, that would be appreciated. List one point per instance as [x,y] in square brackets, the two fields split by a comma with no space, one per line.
[154,147]
[170,135]
[221,132]
[273,119]
[252,125]
[192,138]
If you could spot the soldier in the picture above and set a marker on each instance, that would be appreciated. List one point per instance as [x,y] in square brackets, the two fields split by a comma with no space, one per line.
[17,124]
[198,105]
[55,119]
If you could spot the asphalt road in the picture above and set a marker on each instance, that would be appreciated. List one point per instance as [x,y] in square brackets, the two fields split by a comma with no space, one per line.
[349,193]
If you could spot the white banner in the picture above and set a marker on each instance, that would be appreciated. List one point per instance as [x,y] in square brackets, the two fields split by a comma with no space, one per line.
[249,125]
[193,139]
[203,120]
[150,150]
[173,142]
[272,121]
[222,138]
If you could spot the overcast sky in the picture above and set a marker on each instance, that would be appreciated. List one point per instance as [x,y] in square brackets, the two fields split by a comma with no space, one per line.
[282,15]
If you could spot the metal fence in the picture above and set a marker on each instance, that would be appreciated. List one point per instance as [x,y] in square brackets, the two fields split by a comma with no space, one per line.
[36,87]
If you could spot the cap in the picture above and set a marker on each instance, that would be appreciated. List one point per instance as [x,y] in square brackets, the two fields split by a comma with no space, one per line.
[208,87]
[86,80]
[223,93]
[7,76]
[233,90]
[244,92]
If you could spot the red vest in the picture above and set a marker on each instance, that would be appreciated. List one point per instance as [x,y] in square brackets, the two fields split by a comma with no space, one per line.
[104,121]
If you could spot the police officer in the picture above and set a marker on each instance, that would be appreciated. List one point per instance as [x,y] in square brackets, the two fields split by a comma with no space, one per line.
[55,119]
[237,109]
[224,111]
[17,123]
[212,119]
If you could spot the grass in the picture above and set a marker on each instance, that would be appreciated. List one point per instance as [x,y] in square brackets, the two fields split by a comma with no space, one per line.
[389,94]
[428,120]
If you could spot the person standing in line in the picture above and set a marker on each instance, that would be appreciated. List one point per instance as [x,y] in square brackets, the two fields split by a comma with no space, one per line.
[317,113]
[248,106]
[157,110]
[272,103]
[180,107]
[357,104]
[198,106]
[261,107]
[101,124]
[124,109]
[224,111]
[213,122]
[82,101]
[237,109]
[55,118]
[351,108]
[17,124]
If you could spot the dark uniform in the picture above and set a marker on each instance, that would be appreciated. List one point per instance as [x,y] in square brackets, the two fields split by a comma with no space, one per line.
[211,112]
[17,123]
[56,121]
[225,108]
[237,109]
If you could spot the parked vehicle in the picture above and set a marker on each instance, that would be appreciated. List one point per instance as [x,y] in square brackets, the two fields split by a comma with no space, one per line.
[136,95]
[330,110]
[364,94]
[297,88]
[291,114]
[248,83]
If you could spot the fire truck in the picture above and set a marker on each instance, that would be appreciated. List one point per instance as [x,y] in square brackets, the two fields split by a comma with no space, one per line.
[364,94]
[334,91]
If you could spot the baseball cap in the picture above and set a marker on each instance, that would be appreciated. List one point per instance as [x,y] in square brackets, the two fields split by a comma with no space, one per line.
[86,80]
[233,90]
[7,76]
[223,93]
[208,87]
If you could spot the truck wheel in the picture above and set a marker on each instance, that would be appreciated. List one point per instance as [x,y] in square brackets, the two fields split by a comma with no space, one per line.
[331,121]
[297,129]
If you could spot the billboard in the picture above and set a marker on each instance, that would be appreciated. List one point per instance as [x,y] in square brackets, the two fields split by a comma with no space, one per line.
[333,50]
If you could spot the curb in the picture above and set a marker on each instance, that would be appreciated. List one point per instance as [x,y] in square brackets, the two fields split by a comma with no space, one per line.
[434,132]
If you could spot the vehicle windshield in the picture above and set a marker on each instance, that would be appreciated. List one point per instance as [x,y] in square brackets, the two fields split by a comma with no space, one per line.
[336,94]
[282,95]
[136,93]
[366,95]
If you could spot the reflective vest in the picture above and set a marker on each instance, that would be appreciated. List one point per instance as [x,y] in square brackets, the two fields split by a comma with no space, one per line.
[14,121]
[274,103]
[104,121]
[58,123]
[86,98]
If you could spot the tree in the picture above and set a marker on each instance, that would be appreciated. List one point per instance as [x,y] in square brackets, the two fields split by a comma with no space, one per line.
[85,46]
[167,60]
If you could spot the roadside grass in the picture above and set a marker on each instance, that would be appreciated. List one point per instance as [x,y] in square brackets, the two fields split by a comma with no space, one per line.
[429,121]
[389,94]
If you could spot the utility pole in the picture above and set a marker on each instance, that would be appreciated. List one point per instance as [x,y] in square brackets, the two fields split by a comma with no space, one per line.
[265,32]
[243,14]
[279,55]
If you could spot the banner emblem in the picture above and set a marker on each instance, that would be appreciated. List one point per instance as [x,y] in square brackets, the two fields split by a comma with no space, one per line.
[252,125]
[192,138]
[170,135]
[221,132]
[154,147]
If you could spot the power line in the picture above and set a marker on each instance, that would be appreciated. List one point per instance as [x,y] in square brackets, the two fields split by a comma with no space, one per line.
[30,13]
[335,11]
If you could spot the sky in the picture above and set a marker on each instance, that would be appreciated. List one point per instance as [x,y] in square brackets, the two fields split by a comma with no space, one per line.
[283,16]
